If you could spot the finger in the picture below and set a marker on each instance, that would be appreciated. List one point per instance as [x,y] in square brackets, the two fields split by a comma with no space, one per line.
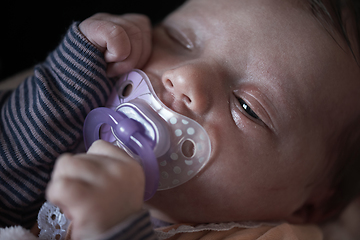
[138,28]
[108,37]
[118,43]
[144,24]
[137,58]
[117,163]
[120,67]
[83,167]
[103,148]
[67,194]
[123,24]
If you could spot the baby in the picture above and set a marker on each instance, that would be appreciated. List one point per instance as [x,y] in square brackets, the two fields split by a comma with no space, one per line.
[274,83]
[276,91]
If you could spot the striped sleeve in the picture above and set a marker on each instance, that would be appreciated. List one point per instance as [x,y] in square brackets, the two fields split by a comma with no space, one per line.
[43,118]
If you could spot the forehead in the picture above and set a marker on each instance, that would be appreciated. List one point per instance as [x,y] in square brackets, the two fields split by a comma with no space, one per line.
[277,45]
[252,27]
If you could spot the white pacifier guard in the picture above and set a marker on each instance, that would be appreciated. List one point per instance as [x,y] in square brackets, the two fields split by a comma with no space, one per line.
[182,146]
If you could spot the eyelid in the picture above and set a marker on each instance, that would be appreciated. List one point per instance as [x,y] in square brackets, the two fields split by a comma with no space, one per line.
[243,111]
[180,37]
[257,111]
[243,105]
[260,104]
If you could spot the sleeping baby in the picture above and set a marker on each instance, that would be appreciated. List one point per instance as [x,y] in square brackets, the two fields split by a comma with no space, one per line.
[274,84]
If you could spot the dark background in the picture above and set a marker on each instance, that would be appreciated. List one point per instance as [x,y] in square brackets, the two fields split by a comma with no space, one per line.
[29,30]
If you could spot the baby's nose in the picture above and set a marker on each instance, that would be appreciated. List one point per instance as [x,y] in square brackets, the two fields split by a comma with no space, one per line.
[189,85]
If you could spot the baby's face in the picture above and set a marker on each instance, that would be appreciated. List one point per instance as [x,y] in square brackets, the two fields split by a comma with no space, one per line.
[271,87]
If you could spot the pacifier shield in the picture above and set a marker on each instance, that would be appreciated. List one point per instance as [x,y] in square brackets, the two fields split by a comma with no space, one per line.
[182,146]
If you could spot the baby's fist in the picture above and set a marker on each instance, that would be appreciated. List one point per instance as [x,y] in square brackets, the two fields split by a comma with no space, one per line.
[125,40]
[97,190]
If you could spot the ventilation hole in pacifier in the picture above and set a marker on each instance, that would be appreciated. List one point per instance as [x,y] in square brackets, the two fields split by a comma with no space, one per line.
[127,90]
[188,148]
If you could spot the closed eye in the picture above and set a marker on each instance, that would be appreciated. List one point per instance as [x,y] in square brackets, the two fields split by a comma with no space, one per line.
[179,37]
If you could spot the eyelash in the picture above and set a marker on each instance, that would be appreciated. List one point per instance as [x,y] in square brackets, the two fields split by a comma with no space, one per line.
[180,39]
[247,109]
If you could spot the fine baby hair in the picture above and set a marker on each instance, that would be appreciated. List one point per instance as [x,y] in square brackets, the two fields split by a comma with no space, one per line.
[338,16]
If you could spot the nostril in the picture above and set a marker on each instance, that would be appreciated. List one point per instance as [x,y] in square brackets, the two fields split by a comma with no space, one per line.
[168,83]
[186,99]
[177,89]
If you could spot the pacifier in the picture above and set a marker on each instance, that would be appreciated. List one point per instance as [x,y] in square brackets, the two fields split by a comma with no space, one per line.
[171,148]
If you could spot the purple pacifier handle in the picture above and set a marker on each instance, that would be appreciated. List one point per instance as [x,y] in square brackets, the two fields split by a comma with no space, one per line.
[130,132]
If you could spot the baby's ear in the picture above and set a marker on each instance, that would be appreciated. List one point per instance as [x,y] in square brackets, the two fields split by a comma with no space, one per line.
[314,210]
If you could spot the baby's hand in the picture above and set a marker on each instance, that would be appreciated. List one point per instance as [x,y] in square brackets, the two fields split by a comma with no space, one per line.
[125,40]
[97,190]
